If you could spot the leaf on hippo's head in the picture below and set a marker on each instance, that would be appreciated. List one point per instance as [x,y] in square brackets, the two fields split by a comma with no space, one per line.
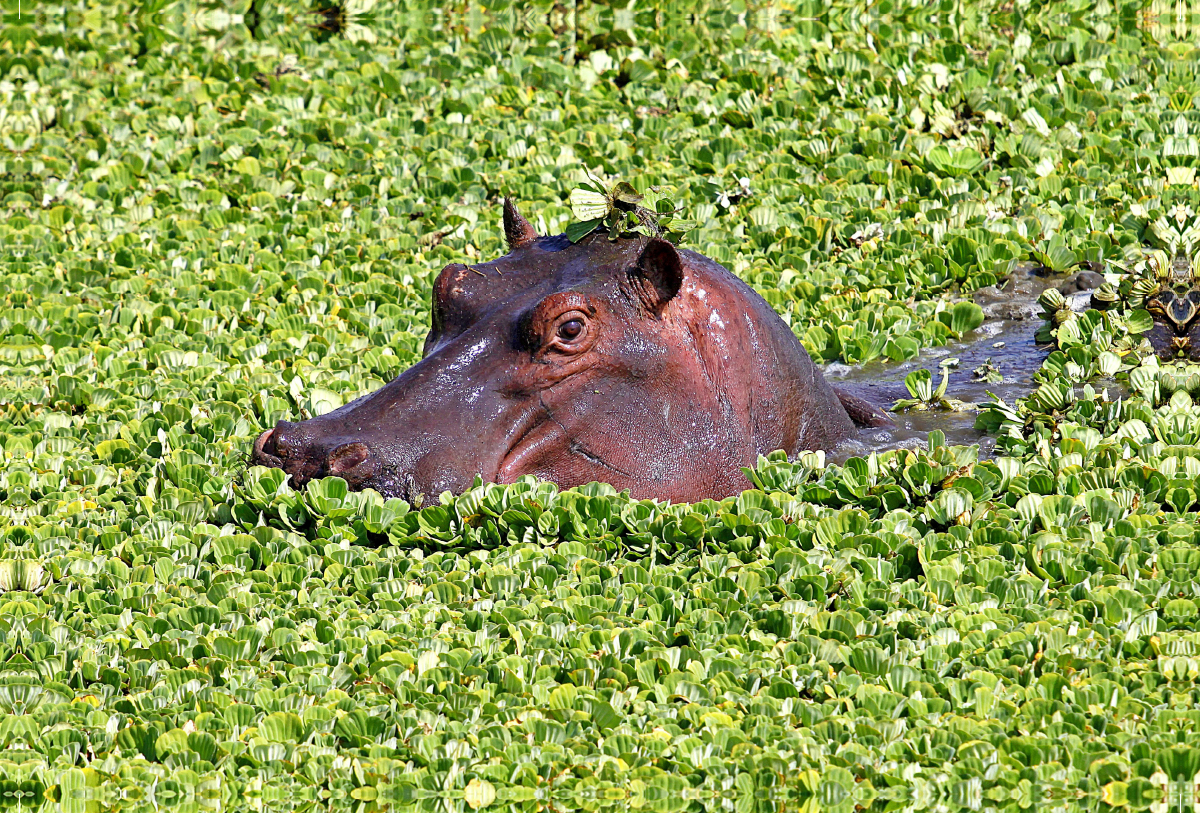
[622,210]
[588,205]
[623,193]
[580,229]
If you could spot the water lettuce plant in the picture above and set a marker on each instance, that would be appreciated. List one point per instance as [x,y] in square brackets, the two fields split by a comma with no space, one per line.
[620,210]
[216,216]
[924,396]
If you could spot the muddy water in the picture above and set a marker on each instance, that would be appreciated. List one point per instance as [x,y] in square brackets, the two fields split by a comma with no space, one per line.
[1005,341]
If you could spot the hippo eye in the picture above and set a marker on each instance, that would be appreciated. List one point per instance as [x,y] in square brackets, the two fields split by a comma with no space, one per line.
[560,325]
[570,331]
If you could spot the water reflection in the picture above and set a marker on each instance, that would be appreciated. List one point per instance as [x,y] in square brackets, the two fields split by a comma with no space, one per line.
[1004,347]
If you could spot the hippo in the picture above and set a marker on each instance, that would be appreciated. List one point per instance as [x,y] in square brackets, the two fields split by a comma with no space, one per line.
[625,361]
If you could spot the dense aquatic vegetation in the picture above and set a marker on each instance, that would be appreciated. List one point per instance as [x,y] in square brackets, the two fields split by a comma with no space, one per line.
[217,215]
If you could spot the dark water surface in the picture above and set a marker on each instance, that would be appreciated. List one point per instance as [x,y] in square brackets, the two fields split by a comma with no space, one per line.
[1005,341]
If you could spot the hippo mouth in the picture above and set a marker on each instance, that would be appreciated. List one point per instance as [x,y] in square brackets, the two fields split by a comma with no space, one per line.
[542,436]
[352,462]
[267,452]
[264,453]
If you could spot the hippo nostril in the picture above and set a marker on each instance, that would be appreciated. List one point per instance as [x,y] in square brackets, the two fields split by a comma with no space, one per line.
[348,456]
[283,439]
[264,447]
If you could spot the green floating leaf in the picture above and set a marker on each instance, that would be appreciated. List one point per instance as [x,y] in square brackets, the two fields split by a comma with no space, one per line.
[959,162]
[1056,256]
[578,230]
[962,318]
[1139,321]
[919,384]
[588,205]
[322,401]
[626,194]
[282,727]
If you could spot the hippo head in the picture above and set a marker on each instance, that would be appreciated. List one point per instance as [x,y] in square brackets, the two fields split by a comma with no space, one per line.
[624,361]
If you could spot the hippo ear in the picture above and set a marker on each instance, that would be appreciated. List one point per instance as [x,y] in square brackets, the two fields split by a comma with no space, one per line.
[658,275]
[517,230]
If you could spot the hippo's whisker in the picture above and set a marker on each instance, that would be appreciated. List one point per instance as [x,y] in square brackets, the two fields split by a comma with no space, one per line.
[578,448]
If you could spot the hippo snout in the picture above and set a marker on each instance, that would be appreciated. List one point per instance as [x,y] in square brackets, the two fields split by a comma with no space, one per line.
[264,453]
[289,447]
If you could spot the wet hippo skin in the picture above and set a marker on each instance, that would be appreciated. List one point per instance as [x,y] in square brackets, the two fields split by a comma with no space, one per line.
[629,362]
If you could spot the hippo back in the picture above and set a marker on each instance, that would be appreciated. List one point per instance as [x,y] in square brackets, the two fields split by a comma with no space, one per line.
[760,370]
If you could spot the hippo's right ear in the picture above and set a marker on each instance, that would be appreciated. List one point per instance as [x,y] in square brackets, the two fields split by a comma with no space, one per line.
[658,275]
[517,230]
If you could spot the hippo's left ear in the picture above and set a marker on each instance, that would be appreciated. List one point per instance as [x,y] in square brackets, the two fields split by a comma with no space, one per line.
[518,231]
[658,275]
